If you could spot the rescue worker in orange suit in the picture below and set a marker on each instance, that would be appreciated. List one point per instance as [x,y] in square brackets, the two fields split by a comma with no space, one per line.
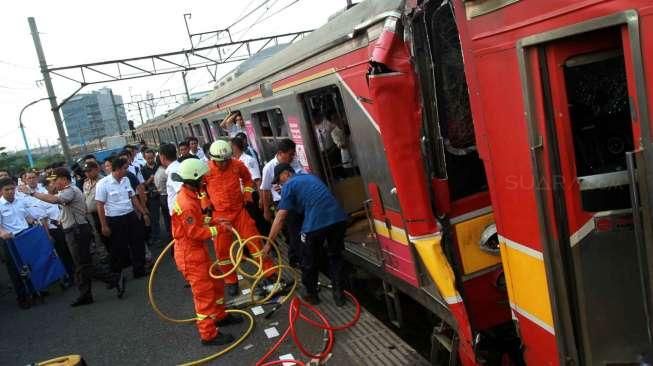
[192,256]
[223,183]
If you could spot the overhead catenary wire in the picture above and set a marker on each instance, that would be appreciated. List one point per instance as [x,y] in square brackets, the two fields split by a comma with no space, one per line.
[278,11]
[248,14]
[255,22]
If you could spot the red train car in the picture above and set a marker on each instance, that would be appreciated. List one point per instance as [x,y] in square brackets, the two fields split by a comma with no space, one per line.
[501,159]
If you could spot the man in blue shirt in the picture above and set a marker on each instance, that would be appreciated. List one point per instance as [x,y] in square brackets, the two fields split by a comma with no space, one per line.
[324,221]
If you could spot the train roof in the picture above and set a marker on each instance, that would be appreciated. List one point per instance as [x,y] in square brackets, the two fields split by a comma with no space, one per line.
[334,32]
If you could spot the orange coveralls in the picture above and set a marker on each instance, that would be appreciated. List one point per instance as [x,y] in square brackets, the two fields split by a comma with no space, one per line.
[228,201]
[193,261]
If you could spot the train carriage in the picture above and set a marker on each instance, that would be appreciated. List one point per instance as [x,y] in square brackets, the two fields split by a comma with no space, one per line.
[498,149]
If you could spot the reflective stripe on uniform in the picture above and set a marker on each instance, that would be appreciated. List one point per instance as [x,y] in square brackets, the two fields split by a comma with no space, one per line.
[220,301]
[214,230]
[201,316]
[248,189]
[207,219]
[176,208]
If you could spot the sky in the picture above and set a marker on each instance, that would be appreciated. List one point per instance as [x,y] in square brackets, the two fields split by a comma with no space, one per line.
[74,32]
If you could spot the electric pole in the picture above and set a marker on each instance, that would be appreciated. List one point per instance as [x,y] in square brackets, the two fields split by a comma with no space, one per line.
[50,90]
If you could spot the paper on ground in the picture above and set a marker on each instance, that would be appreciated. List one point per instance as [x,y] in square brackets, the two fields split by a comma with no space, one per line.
[271,332]
[257,310]
[287,356]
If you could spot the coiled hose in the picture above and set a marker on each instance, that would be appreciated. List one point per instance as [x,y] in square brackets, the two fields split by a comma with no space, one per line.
[294,311]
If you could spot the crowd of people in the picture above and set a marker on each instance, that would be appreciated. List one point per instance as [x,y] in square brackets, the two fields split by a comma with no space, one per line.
[141,198]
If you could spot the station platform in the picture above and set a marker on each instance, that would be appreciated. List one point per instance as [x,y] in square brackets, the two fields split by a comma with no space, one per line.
[128,332]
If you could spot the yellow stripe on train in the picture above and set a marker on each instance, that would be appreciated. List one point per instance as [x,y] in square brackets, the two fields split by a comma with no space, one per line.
[526,282]
[394,233]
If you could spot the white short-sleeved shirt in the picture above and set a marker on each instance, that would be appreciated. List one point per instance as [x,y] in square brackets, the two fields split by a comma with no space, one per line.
[115,195]
[135,169]
[54,213]
[200,154]
[139,159]
[13,215]
[268,176]
[251,165]
[160,179]
[172,187]
[35,207]
[235,129]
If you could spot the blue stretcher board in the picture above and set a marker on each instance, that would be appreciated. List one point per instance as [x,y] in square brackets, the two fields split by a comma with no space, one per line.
[34,250]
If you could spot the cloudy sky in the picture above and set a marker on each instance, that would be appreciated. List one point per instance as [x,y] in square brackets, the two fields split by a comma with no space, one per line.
[74,32]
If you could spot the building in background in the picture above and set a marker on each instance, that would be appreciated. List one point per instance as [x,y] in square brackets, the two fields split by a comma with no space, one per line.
[91,117]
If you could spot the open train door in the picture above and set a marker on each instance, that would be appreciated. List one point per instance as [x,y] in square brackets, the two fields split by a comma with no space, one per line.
[587,108]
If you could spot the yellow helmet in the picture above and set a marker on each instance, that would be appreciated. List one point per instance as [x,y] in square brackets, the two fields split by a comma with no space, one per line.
[190,170]
[220,150]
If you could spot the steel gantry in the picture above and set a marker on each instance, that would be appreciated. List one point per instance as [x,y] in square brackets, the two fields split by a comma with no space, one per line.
[151,65]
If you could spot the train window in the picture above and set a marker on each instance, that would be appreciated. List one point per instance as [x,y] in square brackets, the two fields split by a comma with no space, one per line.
[179,135]
[218,131]
[278,123]
[261,118]
[599,111]
[464,168]
[197,132]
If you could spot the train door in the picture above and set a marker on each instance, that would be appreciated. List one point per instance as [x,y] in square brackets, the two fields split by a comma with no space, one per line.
[588,114]
[332,143]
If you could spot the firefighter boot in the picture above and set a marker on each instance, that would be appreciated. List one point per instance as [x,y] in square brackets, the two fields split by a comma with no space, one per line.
[219,340]
[230,319]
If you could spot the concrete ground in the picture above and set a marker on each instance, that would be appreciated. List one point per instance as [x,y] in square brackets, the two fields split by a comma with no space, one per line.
[127,332]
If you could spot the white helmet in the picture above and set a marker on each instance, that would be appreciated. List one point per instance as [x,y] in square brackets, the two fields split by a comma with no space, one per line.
[220,150]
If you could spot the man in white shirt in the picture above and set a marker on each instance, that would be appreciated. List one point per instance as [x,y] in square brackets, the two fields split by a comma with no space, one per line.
[119,211]
[134,167]
[238,147]
[233,124]
[14,218]
[168,157]
[36,208]
[323,128]
[270,194]
[137,153]
[194,145]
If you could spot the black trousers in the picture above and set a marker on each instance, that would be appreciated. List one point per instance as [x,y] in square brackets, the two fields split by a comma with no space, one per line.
[313,250]
[63,252]
[154,206]
[126,243]
[79,239]
[165,213]
[292,232]
[254,211]
[14,276]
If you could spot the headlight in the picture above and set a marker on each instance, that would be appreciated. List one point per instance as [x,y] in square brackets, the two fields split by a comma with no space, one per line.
[489,241]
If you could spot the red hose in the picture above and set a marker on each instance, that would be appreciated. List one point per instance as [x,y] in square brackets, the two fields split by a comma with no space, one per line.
[293,313]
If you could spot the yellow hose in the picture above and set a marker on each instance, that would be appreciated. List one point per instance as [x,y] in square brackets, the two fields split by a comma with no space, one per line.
[236,261]
[150,289]
[232,345]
